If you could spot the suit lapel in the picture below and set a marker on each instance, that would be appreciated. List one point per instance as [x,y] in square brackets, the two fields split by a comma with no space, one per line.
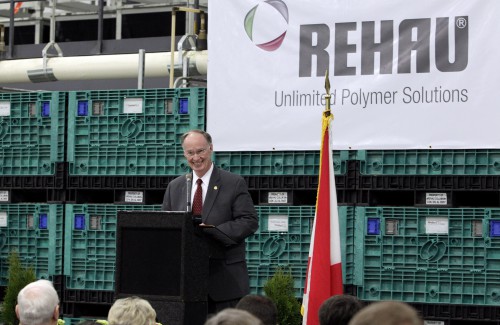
[212,192]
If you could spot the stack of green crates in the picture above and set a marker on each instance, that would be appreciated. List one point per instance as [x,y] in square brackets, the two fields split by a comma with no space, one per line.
[283,241]
[131,132]
[90,244]
[35,232]
[428,255]
[32,128]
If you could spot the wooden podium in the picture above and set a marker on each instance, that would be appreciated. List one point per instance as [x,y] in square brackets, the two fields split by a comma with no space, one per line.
[162,257]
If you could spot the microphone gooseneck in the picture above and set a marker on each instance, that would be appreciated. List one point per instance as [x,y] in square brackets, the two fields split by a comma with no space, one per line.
[189,179]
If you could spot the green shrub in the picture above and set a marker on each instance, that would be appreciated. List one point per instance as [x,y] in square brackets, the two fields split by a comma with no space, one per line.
[280,289]
[18,277]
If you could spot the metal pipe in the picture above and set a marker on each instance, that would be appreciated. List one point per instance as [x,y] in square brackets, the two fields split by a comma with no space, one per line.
[95,67]
[196,5]
[172,47]
[142,65]
[189,22]
[11,30]
[172,38]
[2,38]
[39,8]
[201,44]
[185,81]
[53,23]
[119,20]
[100,26]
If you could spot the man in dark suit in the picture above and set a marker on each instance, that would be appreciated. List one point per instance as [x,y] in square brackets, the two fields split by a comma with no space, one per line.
[228,206]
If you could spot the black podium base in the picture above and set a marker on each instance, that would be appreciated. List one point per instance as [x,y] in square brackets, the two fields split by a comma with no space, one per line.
[160,258]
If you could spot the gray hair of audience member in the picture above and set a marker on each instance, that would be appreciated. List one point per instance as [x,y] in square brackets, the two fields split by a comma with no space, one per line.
[387,313]
[233,316]
[131,311]
[37,303]
[338,310]
[261,307]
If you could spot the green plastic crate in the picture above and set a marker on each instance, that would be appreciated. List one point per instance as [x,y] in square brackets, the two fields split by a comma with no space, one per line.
[426,248]
[107,137]
[32,127]
[90,244]
[258,163]
[76,321]
[429,162]
[298,218]
[433,287]
[35,232]
[346,224]
[284,235]
[259,274]
[292,247]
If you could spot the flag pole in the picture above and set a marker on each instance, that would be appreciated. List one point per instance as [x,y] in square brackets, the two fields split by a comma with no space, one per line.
[328,96]
[327,113]
[324,264]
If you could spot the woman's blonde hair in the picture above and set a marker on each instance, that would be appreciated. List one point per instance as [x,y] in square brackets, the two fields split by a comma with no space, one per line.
[131,311]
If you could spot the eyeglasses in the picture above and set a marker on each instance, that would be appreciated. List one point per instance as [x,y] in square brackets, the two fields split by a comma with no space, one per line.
[199,152]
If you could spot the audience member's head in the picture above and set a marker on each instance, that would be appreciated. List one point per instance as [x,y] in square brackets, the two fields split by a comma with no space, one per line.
[233,316]
[260,306]
[38,304]
[387,313]
[131,311]
[338,310]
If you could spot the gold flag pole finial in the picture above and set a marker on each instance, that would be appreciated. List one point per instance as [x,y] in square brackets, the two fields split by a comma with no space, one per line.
[327,96]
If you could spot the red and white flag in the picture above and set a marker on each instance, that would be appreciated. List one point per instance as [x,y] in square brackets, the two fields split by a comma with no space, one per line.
[324,266]
[17,7]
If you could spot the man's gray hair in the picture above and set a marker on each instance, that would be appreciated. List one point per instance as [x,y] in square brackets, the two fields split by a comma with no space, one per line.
[233,316]
[206,135]
[37,302]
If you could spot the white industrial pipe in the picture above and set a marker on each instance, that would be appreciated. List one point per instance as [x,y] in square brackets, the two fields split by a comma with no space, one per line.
[118,66]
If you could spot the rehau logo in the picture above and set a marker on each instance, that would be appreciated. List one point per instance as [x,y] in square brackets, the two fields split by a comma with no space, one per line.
[413,35]
[268,8]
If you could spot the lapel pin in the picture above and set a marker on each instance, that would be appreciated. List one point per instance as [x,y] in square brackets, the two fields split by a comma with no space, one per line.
[215,187]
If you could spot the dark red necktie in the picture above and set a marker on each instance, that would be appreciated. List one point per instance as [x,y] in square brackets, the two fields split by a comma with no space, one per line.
[198,199]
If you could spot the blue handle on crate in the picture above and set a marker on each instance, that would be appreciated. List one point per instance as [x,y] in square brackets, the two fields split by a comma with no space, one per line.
[79,222]
[83,108]
[45,109]
[494,228]
[43,220]
[373,226]
[183,106]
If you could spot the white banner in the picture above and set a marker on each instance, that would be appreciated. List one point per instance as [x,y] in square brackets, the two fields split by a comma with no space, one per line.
[403,74]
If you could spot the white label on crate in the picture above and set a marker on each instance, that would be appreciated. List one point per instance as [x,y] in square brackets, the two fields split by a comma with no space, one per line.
[436,225]
[277,197]
[4,108]
[134,197]
[132,105]
[3,219]
[277,223]
[436,198]
[433,322]
[4,196]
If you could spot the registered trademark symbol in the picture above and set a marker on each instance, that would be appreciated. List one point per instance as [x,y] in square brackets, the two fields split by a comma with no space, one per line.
[461,22]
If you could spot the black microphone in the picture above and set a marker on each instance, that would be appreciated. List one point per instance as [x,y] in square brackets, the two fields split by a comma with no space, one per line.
[189,179]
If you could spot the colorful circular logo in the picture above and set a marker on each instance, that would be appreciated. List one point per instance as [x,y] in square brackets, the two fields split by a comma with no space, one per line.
[266,24]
